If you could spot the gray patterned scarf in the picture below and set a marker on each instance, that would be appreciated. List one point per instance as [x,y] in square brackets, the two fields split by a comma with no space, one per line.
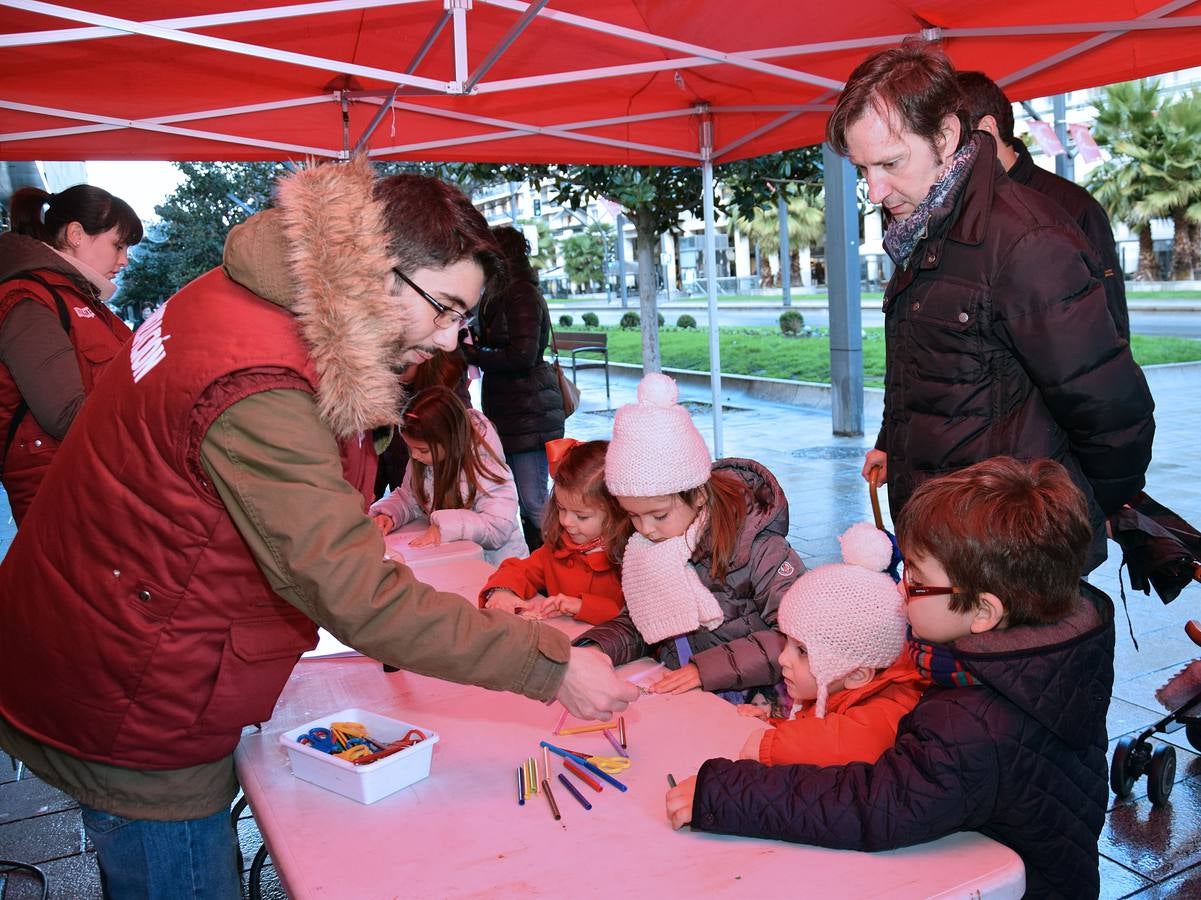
[903,235]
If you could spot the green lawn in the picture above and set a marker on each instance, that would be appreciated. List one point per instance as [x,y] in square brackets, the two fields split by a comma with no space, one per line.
[767,353]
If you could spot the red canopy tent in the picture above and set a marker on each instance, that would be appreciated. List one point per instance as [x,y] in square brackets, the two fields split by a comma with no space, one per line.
[600,81]
[686,82]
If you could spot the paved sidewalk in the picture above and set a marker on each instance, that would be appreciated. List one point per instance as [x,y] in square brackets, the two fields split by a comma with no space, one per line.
[1155,853]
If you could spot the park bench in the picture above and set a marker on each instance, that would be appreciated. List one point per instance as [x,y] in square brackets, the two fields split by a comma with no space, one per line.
[568,345]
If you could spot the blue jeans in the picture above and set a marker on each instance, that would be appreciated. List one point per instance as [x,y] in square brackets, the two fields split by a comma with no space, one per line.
[532,476]
[141,858]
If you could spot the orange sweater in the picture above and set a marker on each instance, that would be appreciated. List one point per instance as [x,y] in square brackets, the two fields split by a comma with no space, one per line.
[589,576]
[859,725]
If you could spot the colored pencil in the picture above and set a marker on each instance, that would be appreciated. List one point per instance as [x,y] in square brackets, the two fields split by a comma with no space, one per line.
[546,762]
[550,798]
[582,775]
[562,719]
[671,780]
[616,746]
[584,729]
[520,786]
[621,731]
[574,791]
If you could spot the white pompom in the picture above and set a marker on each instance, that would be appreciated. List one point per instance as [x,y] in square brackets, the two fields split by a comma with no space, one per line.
[863,544]
[658,390]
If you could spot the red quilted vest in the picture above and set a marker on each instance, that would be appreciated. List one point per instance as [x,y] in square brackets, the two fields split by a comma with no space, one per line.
[143,634]
[96,333]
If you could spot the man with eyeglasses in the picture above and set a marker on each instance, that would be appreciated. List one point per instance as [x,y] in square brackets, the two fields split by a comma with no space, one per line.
[999,336]
[216,488]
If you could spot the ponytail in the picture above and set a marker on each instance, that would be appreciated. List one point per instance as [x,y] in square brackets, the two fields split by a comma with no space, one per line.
[95,209]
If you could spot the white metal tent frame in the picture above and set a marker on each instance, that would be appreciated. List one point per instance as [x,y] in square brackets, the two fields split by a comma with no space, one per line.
[466,80]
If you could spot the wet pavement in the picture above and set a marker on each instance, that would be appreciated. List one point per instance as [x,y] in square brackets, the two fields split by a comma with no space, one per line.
[1146,851]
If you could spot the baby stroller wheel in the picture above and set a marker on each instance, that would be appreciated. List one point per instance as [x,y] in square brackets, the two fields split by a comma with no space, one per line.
[1193,734]
[1122,774]
[1161,774]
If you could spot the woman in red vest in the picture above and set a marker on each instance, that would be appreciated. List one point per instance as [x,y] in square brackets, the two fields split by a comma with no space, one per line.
[56,333]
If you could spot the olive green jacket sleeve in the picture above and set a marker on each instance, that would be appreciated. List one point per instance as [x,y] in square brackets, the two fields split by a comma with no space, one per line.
[276,467]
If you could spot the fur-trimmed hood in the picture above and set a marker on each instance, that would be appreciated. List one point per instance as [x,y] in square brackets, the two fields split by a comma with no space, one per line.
[322,253]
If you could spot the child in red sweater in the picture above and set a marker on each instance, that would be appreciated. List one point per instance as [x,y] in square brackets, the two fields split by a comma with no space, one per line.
[576,572]
[842,664]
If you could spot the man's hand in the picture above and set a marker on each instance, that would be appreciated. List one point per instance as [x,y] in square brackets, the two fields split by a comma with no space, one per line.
[685,678]
[679,803]
[875,459]
[591,689]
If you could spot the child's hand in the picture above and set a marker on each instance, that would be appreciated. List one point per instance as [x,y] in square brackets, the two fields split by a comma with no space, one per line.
[679,802]
[432,536]
[384,522]
[561,605]
[534,608]
[753,710]
[680,681]
[750,749]
[506,600]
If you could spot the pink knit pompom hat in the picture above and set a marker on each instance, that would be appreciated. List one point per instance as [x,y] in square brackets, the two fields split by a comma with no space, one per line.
[655,450]
[847,614]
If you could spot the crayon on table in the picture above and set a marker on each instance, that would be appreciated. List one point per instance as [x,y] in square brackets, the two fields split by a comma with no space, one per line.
[550,798]
[582,775]
[571,788]
[616,746]
[584,729]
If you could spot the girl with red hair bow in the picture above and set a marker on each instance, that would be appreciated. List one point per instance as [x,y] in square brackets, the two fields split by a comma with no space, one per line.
[576,571]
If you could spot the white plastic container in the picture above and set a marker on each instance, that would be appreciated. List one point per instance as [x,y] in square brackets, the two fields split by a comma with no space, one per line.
[367,783]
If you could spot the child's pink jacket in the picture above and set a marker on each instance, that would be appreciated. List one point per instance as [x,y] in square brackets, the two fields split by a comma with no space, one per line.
[859,725]
[589,576]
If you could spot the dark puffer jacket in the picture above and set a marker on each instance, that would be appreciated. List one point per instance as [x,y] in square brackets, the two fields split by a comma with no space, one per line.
[1090,216]
[1000,342]
[1019,758]
[743,652]
[520,393]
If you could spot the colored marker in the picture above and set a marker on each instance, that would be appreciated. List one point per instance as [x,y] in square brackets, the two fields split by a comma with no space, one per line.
[574,792]
[621,731]
[582,775]
[520,786]
[671,780]
[562,719]
[550,798]
[616,746]
[584,729]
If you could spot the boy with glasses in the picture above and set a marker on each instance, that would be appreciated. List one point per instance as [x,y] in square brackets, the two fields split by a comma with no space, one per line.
[1010,741]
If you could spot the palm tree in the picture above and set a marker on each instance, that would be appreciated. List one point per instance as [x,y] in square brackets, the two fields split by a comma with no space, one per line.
[1155,169]
[806,223]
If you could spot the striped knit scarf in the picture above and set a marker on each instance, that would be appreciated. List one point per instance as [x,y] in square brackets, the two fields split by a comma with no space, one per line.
[938,663]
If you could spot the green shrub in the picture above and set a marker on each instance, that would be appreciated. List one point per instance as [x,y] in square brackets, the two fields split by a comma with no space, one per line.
[685,321]
[791,321]
[565,321]
[591,320]
[631,320]
[662,320]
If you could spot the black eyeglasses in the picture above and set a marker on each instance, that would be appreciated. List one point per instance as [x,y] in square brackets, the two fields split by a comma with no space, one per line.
[445,316]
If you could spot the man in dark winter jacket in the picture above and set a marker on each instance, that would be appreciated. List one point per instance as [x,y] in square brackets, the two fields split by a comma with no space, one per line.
[989,110]
[999,338]
[1010,741]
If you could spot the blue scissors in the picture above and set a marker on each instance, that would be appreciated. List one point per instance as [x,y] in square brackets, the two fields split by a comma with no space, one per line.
[319,739]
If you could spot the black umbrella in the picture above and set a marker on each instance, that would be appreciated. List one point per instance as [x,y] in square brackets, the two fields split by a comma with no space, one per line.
[1159,549]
